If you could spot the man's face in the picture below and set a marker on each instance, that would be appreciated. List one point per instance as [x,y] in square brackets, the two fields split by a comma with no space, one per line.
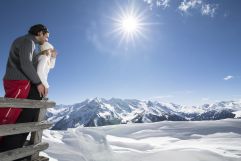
[43,38]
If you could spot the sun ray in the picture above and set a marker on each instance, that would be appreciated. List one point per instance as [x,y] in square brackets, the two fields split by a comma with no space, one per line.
[129,25]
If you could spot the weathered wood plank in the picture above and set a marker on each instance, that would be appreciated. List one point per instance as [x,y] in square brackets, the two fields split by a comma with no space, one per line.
[10,129]
[41,158]
[25,103]
[36,137]
[23,152]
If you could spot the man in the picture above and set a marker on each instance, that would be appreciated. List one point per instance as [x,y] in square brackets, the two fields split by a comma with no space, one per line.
[22,81]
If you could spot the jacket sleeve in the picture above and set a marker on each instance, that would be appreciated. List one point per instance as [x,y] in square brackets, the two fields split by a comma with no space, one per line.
[42,64]
[52,62]
[25,55]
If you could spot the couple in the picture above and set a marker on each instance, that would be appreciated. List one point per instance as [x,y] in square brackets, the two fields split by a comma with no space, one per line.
[30,59]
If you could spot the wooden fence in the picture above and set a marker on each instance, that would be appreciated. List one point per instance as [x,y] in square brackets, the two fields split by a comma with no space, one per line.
[35,144]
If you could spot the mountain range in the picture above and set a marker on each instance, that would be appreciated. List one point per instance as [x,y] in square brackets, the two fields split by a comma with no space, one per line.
[101,112]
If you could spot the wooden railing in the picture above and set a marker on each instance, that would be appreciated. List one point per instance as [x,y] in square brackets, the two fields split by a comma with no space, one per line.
[35,144]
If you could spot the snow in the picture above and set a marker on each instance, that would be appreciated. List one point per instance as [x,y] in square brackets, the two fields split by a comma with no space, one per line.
[115,111]
[237,114]
[108,106]
[104,114]
[53,136]
[57,110]
[46,155]
[192,109]
[190,141]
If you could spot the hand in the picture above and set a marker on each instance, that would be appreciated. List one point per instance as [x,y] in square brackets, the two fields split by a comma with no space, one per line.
[53,53]
[42,90]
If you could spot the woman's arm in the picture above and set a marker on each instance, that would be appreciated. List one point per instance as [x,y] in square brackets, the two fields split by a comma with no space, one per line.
[52,62]
[53,58]
[42,64]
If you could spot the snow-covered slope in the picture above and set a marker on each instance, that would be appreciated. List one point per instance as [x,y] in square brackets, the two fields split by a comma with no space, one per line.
[218,140]
[237,114]
[100,112]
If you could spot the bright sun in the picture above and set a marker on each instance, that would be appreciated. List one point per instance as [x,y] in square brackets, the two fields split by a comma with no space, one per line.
[129,24]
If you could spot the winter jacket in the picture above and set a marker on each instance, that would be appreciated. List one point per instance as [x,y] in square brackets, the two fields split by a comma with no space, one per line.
[20,61]
[45,63]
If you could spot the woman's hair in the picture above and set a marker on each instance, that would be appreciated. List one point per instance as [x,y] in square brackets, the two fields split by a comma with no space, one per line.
[45,52]
[34,30]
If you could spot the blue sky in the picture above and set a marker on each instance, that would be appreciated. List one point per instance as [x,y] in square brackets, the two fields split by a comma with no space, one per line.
[190,52]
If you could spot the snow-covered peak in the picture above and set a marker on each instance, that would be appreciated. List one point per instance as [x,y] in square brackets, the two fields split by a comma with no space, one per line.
[100,111]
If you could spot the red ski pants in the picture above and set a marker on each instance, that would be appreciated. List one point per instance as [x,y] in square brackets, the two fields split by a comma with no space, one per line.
[13,89]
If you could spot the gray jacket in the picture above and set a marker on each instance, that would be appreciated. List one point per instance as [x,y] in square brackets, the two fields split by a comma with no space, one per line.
[20,64]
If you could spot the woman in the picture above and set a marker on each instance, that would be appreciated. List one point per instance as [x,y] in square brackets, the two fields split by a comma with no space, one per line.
[45,60]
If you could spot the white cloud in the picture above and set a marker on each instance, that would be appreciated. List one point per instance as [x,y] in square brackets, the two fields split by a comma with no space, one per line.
[228,77]
[94,38]
[189,4]
[163,3]
[205,8]
[150,3]
[97,40]
[158,3]
[209,9]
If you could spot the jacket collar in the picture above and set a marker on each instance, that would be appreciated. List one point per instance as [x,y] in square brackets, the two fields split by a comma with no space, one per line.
[32,37]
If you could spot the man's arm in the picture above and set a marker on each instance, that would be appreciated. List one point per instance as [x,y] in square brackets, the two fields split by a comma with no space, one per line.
[25,56]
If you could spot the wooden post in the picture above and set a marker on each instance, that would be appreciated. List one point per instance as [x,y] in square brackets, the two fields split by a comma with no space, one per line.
[36,137]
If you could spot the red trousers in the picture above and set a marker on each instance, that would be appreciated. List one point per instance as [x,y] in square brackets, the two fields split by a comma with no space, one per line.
[13,89]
